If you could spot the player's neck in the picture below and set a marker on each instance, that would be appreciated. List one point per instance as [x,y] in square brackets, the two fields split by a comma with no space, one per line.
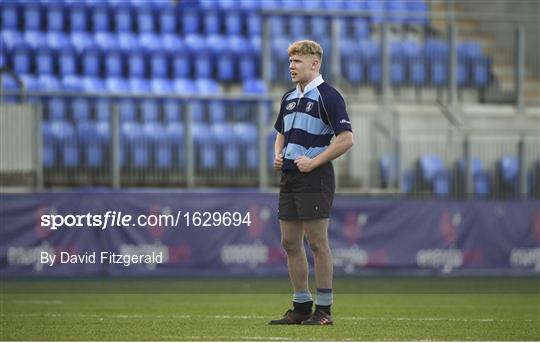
[303,85]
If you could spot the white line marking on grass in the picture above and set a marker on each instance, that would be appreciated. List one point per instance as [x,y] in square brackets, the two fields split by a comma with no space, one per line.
[247,317]
[37,302]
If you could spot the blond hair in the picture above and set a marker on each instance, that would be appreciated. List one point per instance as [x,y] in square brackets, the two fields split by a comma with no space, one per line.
[306,47]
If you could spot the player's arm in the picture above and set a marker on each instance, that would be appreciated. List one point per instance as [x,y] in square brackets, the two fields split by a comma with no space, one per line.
[342,143]
[278,148]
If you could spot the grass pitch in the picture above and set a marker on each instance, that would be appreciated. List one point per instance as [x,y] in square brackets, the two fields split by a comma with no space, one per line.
[401,309]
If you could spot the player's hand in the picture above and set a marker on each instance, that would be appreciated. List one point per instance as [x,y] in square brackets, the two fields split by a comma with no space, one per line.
[278,162]
[304,164]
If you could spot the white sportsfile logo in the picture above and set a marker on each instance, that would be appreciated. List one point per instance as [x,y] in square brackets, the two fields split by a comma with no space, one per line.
[343,121]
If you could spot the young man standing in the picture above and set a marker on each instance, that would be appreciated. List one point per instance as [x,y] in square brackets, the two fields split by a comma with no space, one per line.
[310,116]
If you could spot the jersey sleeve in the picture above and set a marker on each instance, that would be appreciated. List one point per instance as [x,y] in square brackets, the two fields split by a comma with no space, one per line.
[337,114]
[278,125]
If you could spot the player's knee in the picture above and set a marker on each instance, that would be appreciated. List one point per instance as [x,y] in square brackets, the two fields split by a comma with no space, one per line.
[291,245]
[318,245]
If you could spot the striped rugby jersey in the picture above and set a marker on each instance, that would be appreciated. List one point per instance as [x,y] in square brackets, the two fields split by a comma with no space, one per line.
[309,121]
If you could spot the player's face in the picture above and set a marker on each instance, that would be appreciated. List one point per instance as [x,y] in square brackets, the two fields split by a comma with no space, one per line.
[301,68]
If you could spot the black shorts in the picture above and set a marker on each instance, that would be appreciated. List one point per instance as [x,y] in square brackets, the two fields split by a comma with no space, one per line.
[305,196]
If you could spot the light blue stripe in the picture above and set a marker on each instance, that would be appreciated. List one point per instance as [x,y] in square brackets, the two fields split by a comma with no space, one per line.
[305,122]
[313,94]
[295,94]
[293,151]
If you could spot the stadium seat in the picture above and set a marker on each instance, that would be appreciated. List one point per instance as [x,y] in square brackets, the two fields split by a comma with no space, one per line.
[508,175]
[55,16]
[72,83]
[212,23]
[167,18]
[206,149]
[217,111]
[247,135]
[100,16]
[190,21]
[159,64]
[436,54]
[44,60]
[138,85]
[136,61]
[144,14]
[49,83]
[82,109]
[254,86]
[82,41]
[65,143]
[10,15]
[161,86]
[67,61]
[420,11]
[91,144]
[175,133]
[49,152]
[254,23]
[149,110]
[91,62]
[21,57]
[32,15]
[397,64]
[78,16]
[433,174]
[123,17]
[172,111]
[135,147]
[114,63]
[387,170]
[229,148]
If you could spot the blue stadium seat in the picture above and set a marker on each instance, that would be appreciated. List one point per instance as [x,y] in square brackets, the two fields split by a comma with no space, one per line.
[91,144]
[206,148]
[508,171]
[277,25]
[254,86]
[167,18]
[35,38]
[420,10]
[67,61]
[204,61]
[139,85]
[387,170]
[217,111]
[233,23]
[397,8]
[55,16]
[190,21]
[93,84]
[78,16]
[65,143]
[158,141]
[136,61]
[81,108]
[412,52]
[161,86]
[149,110]
[123,16]
[254,23]
[353,66]
[117,85]
[9,83]
[103,110]
[32,15]
[159,64]
[184,86]
[212,23]
[82,41]
[100,15]
[247,135]
[57,109]
[481,72]
[224,56]
[21,58]
[436,54]
[44,60]
[144,14]
[49,152]
[370,53]
[172,111]
[226,138]
[207,86]
[11,38]
[114,63]
[136,148]
[49,83]
[10,15]
[480,177]
[72,83]
[91,61]
[175,133]
[434,174]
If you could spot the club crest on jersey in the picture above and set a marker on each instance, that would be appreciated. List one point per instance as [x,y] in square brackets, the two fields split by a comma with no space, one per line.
[309,106]
[290,106]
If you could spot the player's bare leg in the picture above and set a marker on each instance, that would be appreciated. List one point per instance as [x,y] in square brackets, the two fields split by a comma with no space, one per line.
[317,234]
[292,239]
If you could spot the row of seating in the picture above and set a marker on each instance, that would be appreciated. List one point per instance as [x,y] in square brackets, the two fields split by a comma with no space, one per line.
[431,174]
[211,17]
[150,145]
[223,58]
